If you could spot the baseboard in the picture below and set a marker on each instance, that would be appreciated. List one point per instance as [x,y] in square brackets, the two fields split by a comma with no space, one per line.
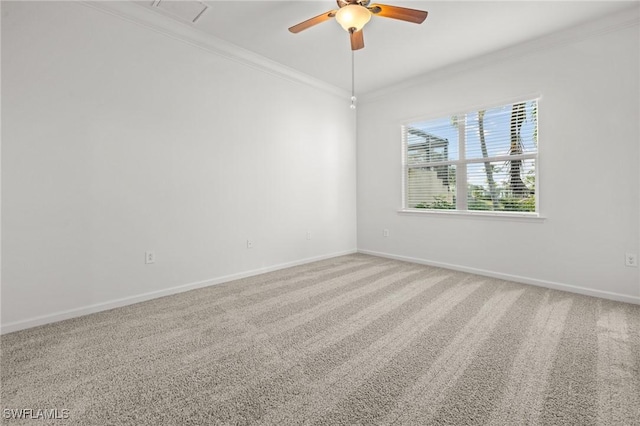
[111,304]
[516,278]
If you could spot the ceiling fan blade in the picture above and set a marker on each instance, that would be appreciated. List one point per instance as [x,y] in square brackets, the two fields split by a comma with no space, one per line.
[357,40]
[402,13]
[313,21]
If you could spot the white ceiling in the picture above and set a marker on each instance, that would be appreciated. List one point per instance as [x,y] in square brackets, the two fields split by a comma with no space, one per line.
[453,32]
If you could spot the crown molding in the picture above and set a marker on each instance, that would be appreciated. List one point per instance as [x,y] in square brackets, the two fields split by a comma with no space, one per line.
[609,23]
[143,17]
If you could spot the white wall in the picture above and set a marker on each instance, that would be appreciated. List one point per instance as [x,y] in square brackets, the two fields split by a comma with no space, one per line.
[588,166]
[117,140]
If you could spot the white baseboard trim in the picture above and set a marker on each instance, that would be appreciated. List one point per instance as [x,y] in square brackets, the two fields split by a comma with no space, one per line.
[117,303]
[516,278]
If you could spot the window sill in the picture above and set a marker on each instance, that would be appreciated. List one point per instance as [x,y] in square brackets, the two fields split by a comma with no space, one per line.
[519,217]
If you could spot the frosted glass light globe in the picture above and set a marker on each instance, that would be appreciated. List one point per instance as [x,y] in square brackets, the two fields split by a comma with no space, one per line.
[353,16]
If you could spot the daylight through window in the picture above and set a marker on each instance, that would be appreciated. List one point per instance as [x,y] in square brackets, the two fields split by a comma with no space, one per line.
[480,161]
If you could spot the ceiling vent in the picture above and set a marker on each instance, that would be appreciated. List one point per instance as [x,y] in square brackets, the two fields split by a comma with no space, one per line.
[189,11]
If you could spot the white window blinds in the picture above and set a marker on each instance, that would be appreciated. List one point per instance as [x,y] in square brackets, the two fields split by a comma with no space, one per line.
[483,160]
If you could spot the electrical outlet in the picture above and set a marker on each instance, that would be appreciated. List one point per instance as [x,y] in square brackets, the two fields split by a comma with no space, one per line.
[149,257]
[631,259]
[385,233]
[249,244]
[308,235]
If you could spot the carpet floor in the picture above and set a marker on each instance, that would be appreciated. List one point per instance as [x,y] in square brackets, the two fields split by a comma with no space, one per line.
[345,341]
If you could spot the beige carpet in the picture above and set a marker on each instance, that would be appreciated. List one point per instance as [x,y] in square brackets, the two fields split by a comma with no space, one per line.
[351,340]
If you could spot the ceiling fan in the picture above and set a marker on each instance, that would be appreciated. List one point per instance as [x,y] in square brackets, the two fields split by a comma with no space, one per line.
[354,14]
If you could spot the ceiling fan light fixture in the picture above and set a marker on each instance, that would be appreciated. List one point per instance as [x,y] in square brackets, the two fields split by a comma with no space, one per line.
[353,16]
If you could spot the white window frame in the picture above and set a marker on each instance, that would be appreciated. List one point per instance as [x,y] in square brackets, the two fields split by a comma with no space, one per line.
[461,171]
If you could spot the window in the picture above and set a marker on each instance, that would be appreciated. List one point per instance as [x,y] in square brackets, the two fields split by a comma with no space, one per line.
[479,161]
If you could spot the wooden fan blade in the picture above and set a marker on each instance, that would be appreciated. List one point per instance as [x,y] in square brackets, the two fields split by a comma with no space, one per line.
[402,13]
[313,21]
[357,40]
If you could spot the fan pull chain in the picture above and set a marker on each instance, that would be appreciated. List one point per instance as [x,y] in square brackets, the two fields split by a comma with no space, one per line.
[353,81]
